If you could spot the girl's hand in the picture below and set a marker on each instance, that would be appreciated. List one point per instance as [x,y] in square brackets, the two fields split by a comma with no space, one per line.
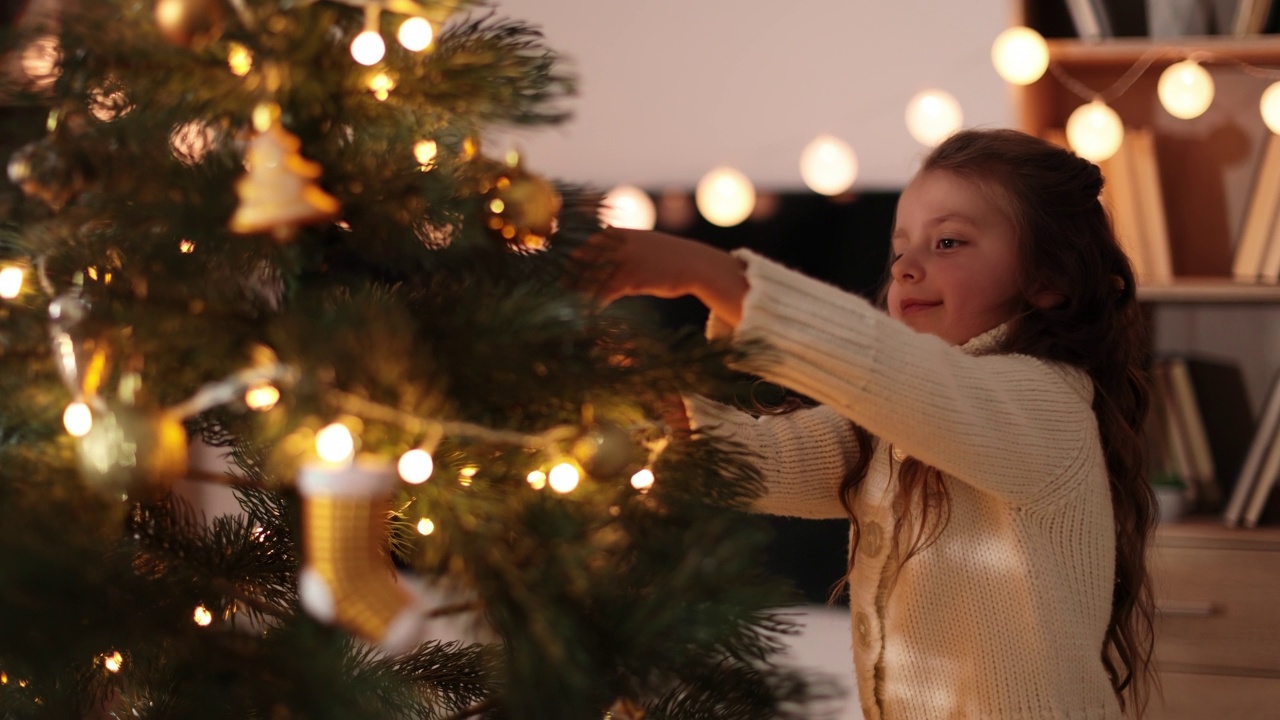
[644,262]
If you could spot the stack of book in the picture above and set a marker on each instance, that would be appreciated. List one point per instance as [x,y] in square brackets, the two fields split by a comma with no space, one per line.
[1202,431]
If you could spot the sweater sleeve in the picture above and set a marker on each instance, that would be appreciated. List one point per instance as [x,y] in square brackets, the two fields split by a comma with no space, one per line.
[1008,424]
[802,456]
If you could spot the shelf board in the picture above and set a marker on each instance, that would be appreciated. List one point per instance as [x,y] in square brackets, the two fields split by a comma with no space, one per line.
[1209,290]
[1208,531]
[1260,49]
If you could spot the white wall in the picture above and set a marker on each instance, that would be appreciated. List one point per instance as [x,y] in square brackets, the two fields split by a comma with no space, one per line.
[671,88]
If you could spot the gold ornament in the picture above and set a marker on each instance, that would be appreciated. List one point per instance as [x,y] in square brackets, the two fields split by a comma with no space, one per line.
[607,450]
[133,452]
[520,208]
[348,578]
[190,23]
[625,709]
[277,193]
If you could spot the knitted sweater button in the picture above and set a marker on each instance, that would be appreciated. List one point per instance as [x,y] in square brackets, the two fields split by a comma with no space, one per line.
[898,454]
[872,539]
[862,628]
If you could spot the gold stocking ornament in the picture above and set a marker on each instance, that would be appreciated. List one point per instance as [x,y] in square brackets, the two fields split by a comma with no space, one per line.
[348,578]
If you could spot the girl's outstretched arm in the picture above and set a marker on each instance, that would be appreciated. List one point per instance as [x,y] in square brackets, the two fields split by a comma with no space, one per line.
[644,262]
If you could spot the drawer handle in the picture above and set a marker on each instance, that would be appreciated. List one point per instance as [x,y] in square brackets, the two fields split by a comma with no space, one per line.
[1186,609]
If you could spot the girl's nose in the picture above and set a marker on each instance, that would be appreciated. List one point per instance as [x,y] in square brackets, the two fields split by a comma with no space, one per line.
[907,268]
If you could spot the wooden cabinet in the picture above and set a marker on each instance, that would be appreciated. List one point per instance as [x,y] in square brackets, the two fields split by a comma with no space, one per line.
[1218,621]
[1217,589]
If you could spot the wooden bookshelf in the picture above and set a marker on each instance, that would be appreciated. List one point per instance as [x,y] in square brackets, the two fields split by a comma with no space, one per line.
[1208,290]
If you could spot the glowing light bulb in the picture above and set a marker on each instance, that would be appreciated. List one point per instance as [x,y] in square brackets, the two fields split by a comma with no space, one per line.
[1020,55]
[382,84]
[186,247]
[828,165]
[415,34]
[426,527]
[563,478]
[932,116]
[239,59]
[261,397]
[1094,131]
[77,419]
[1185,89]
[537,479]
[642,480]
[334,443]
[424,151]
[113,662]
[725,197]
[467,474]
[1269,106]
[416,466]
[627,206]
[11,282]
[202,616]
[368,48]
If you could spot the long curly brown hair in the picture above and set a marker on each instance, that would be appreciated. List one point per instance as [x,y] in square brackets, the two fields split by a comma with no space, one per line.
[1067,247]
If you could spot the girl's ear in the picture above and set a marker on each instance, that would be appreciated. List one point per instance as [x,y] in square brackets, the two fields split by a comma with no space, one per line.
[1045,298]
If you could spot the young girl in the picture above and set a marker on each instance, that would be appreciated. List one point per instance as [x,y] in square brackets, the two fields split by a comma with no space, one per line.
[982,438]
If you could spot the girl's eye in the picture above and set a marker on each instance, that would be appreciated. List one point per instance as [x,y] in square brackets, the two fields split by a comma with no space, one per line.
[948,243]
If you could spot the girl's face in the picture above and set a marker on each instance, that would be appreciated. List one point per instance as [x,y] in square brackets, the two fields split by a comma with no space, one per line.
[955,259]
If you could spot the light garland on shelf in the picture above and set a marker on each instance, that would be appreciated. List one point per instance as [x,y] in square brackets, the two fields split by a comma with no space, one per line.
[1185,88]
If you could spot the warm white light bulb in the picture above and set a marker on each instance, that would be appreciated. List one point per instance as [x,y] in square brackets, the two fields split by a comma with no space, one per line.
[11,282]
[424,151]
[932,116]
[368,47]
[415,34]
[627,206]
[261,397]
[1185,89]
[1020,55]
[642,480]
[239,59]
[725,197]
[334,443]
[537,479]
[426,527]
[1269,105]
[563,478]
[828,165]
[77,419]
[113,662]
[1094,131]
[416,466]
[202,616]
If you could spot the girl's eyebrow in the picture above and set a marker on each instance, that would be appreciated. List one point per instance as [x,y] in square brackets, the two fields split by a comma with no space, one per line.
[899,232]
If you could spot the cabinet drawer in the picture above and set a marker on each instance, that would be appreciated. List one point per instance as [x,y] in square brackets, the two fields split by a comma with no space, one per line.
[1197,697]
[1217,608]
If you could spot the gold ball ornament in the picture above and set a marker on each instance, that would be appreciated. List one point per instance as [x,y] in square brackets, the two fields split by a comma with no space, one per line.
[521,208]
[606,450]
[190,23]
[133,453]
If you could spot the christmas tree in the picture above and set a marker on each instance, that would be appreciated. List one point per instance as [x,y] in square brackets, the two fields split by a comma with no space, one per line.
[272,227]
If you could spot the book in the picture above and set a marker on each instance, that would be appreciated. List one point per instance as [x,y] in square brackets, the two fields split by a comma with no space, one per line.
[1260,217]
[1121,199]
[1263,485]
[1192,427]
[1269,269]
[1154,227]
[1222,399]
[1251,17]
[1262,440]
[1178,453]
[1091,19]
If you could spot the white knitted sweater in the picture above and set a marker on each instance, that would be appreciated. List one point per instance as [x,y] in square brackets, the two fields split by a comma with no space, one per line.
[1003,617]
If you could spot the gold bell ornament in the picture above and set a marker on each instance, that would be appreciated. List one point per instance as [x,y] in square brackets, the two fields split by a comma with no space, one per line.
[348,578]
[277,193]
[132,453]
[520,208]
